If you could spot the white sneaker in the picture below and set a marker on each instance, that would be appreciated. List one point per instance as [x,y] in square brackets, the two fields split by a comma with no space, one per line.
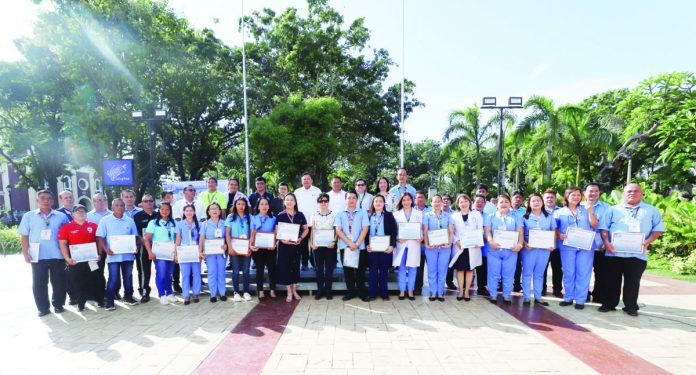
[172,298]
[237,298]
[247,297]
[164,300]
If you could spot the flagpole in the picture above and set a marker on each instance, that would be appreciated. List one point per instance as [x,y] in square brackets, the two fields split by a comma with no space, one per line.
[246,117]
[403,60]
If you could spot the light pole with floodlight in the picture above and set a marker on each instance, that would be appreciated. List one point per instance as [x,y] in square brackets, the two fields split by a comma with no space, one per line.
[160,115]
[514,102]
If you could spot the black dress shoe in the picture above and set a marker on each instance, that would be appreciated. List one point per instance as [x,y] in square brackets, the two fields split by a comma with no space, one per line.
[483,292]
[566,303]
[526,302]
[59,310]
[507,301]
[367,299]
[348,297]
[411,298]
[558,294]
[44,313]
[467,299]
[196,300]
[213,299]
[186,303]
[630,312]
[145,299]
[605,309]
[579,306]
[493,301]
[401,298]
[317,296]
[329,296]
[177,288]
[451,286]
[432,298]
[80,307]
[223,298]
[385,297]
[441,299]
[72,302]
[459,298]
[542,303]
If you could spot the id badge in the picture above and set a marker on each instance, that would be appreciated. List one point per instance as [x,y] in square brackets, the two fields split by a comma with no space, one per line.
[218,232]
[634,226]
[46,235]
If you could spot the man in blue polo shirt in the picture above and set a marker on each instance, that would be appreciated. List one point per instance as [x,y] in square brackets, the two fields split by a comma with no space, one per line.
[403,186]
[119,264]
[352,225]
[633,216]
[39,231]
[592,193]
[66,201]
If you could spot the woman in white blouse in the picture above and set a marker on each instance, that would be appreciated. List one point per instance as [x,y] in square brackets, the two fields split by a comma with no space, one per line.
[324,254]
[466,220]
[407,253]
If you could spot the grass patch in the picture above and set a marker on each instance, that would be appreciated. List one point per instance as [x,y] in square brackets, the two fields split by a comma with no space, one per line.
[10,241]
[663,267]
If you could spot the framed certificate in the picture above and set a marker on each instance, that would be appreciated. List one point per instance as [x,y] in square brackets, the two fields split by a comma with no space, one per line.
[323,237]
[471,238]
[240,245]
[542,239]
[507,239]
[188,254]
[84,252]
[438,237]
[163,250]
[265,240]
[379,243]
[409,231]
[580,238]
[214,246]
[288,232]
[122,244]
[351,258]
[34,252]
[628,242]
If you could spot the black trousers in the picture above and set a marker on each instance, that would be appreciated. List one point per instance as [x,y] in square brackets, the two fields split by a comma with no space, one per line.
[557,269]
[176,278]
[96,283]
[41,273]
[355,277]
[144,266]
[631,270]
[324,262]
[482,276]
[518,273]
[599,277]
[265,258]
[305,256]
[78,277]
[419,273]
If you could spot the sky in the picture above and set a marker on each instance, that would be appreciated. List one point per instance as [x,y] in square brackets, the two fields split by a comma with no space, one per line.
[458,51]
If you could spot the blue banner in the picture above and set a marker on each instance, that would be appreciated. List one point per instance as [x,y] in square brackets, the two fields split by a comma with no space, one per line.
[118,172]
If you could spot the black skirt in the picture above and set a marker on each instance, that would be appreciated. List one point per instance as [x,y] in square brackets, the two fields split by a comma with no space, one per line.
[288,265]
[462,263]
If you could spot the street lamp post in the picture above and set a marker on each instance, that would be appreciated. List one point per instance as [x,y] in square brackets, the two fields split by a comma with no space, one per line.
[160,115]
[514,102]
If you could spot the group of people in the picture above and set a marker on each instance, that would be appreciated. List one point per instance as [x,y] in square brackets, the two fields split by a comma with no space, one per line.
[485,244]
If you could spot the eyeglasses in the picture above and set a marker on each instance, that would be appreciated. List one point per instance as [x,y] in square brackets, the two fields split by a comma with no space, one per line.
[360,184]
[323,201]
[148,200]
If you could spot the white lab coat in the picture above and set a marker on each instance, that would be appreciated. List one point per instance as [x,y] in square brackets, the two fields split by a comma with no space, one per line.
[475,221]
[414,247]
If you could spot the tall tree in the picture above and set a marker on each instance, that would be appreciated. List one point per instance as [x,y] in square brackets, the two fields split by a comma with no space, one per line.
[546,123]
[465,127]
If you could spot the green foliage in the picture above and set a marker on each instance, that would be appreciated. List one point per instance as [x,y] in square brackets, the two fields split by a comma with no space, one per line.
[10,240]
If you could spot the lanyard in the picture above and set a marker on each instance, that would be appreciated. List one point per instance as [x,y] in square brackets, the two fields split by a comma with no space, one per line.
[291,217]
[351,218]
[217,225]
[575,215]
[262,219]
[633,211]
[45,219]
[377,223]
[504,221]
[536,219]
[439,223]
[361,200]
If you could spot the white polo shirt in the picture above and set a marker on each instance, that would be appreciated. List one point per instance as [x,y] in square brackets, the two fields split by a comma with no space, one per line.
[178,209]
[337,201]
[307,200]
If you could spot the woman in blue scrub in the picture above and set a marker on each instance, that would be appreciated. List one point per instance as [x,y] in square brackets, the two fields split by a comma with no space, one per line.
[502,261]
[576,263]
[188,231]
[382,223]
[407,253]
[214,228]
[535,260]
[162,229]
[437,256]
[238,225]
[264,221]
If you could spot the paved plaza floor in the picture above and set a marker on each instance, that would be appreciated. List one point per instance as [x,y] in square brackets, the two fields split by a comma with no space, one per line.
[354,337]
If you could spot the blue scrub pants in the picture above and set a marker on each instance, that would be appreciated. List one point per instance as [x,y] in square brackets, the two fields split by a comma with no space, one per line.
[577,271]
[534,263]
[501,263]
[216,274]
[407,282]
[438,260]
[164,273]
[188,269]
[240,263]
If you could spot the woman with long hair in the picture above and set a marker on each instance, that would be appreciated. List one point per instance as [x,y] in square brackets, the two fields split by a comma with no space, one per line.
[187,234]
[162,229]
[535,260]
[407,254]
[466,219]
[214,228]
[289,252]
[238,224]
[265,258]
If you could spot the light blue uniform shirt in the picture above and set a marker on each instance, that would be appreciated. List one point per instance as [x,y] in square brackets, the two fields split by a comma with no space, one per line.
[398,190]
[263,223]
[565,219]
[164,232]
[208,229]
[496,222]
[600,208]
[486,247]
[434,222]
[238,228]
[33,222]
[110,225]
[376,225]
[541,222]
[131,213]
[618,218]
[188,233]
[96,217]
[520,211]
[425,209]
[352,223]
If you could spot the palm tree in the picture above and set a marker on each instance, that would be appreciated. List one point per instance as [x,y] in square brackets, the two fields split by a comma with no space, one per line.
[546,124]
[465,128]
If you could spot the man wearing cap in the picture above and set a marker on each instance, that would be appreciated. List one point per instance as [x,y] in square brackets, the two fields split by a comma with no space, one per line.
[76,232]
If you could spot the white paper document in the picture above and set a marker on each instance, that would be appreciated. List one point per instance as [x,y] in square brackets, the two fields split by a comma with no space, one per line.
[34,252]
[542,239]
[580,238]
[471,238]
[122,244]
[84,252]
[188,254]
[214,246]
[438,237]
[265,240]
[163,250]
[240,246]
[507,239]
[626,242]
[351,258]
[409,231]
[288,231]
[379,243]
[323,237]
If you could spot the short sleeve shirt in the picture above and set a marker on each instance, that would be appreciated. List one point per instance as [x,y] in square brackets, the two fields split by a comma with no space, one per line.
[43,229]
[352,223]
[112,226]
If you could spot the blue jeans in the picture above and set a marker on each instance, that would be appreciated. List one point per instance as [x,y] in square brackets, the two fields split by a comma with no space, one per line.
[534,263]
[501,263]
[379,268]
[114,282]
[216,274]
[240,263]
[577,271]
[437,260]
[407,282]
[188,269]
[164,272]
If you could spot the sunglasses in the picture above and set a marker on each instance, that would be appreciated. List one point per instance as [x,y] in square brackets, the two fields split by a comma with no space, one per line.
[148,200]
[323,201]
[361,185]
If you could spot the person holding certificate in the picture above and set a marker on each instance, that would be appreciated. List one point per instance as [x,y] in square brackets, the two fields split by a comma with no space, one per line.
[505,232]
[382,189]
[437,231]
[263,251]
[163,231]
[539,242]
[290,252]
[238,225]
[213,230]
[323,249]
[113,231]
[628,229]
[380,245]
[407,253]
[576,261]
[78,232]
[352,226]
[464,223]
[187,234]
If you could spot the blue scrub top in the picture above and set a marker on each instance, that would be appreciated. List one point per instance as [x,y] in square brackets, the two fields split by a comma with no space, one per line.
[434,222]
[617,219]
[164,232]
[565,219]
[239,228]
[600,208]
[33,222]
[376,225]
[208,229]
[188,233]
[496,221]
[541,222]
[263,223]
[398,190]
[112,226]
[96,217]
[352,223]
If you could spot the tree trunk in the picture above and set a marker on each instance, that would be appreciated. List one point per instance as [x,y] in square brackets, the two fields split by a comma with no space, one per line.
[577,173]
[548,162]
